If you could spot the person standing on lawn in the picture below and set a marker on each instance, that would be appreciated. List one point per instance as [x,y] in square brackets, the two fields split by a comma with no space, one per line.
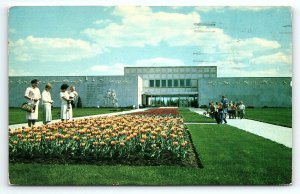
[33,96]
[242,110]
[66,112]
[47,101]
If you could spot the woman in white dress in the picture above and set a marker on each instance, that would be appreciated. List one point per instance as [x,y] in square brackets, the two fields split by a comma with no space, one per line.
[33,96]
[47,101]
[66,110]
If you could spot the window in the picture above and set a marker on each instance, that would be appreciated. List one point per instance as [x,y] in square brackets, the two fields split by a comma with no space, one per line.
[157,83]
[175,83]
[170,83]
[188,82]
[182,83]
[151,83]
[163,83]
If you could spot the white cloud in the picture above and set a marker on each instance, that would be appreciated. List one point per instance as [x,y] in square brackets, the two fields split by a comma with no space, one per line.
[116,69]
[19,72]
[102,22]
[159,61]
[99,68]
[52,49]
[237,8]
[276,58]
[140,27]
[257,44]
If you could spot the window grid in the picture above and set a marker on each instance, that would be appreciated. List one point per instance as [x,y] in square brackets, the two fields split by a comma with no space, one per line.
[171,83]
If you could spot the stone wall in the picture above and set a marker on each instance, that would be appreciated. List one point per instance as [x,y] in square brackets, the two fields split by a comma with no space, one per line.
[253,91]
[257,92]
[91,89]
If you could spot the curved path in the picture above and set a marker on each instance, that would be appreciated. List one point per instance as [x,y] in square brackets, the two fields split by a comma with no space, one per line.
[279,134]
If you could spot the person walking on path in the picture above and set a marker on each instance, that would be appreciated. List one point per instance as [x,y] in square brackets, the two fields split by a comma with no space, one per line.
[225,103]
[33,96]
[66,112]
[221,114]
[212,110]
[242,110]
[47,101]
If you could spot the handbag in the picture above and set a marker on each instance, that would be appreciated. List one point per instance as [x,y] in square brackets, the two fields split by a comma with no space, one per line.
[28,107]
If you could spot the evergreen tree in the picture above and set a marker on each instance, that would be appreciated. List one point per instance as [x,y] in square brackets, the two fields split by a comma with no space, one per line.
[79,103]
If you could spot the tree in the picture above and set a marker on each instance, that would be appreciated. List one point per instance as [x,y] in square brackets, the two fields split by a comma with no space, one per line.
[79,103]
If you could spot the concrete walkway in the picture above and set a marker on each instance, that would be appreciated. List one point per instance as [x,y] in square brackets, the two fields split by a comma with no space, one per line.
[279,134]
[12,127]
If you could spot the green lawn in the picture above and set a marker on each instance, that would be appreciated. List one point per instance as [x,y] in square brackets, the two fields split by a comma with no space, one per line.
[277,116]
[16,115]
[192,117]
[230,157]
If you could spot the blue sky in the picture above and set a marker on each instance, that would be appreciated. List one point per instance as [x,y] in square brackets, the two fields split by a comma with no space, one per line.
[241,41]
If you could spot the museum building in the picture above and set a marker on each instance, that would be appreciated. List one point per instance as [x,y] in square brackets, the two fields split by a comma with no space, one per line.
[179,86]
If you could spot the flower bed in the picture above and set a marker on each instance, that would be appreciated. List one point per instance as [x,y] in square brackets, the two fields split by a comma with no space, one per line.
[160,111]
[120,138]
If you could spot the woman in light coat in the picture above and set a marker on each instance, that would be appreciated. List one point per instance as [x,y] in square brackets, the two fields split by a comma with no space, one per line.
[47,101]
[66,111]
[33,96]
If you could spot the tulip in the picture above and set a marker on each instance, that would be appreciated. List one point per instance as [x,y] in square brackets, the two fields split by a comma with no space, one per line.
[112,143]
[102,143]
[75,138]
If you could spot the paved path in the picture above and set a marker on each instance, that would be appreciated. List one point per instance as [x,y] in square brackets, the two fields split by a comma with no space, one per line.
[12,127]
[279,134]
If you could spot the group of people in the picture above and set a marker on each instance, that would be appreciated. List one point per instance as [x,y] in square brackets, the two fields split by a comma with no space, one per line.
[220,110]
[33,96]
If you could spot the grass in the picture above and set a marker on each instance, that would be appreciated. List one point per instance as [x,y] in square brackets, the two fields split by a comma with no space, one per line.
[16,115]
[192,117]
[230,157]
[277,116]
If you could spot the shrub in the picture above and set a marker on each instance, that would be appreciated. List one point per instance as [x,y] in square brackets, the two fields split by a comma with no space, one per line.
[203,106]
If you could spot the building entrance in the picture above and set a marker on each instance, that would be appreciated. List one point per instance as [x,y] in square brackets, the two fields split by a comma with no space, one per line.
[167,101]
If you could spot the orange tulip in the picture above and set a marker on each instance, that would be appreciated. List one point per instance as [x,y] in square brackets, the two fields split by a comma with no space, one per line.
[76,138]
[102,143]
[112,143]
